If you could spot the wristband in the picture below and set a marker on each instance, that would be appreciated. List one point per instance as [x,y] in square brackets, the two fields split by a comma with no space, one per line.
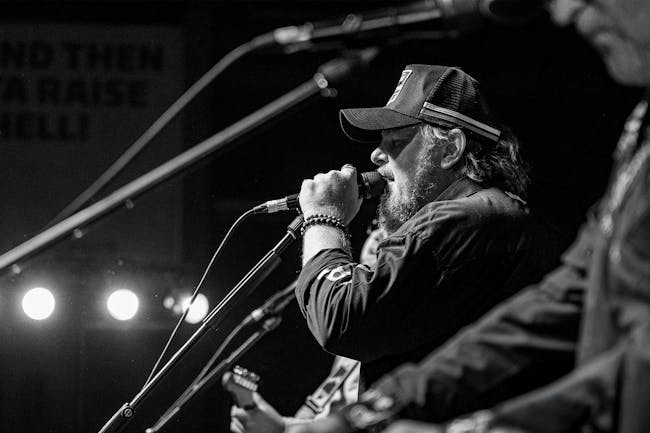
[324,220]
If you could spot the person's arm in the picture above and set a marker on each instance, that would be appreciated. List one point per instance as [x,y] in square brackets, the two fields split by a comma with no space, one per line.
[610,393]
[435,269]
[526,342]
[264,418]
[610,390]
[336,194]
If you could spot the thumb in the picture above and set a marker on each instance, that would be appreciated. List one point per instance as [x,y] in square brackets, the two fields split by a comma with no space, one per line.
[349,168]
[266,408]
[259,401]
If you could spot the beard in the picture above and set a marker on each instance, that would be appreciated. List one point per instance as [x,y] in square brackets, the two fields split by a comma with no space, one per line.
[394,211]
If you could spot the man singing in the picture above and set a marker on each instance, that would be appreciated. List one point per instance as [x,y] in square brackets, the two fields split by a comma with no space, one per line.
[460,238]
[504,354]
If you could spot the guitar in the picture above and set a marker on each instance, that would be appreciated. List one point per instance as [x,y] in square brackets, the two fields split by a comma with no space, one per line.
[241,383]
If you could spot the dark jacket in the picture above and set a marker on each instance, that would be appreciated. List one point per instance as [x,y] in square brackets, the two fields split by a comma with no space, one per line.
[457,257]
[532,338]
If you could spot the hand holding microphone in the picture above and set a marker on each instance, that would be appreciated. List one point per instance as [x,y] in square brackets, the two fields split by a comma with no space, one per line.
[334,193]
[323,190]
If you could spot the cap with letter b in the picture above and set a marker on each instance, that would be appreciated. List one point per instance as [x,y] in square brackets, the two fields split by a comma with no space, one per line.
[438,95]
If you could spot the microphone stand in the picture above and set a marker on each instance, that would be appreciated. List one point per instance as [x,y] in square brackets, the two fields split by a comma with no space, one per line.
[331,72]
[254,277]
[269,324]
[268,316]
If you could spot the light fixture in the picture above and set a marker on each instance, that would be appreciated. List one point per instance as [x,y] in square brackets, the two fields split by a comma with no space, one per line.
[123,304]
[198,310]
[38,303]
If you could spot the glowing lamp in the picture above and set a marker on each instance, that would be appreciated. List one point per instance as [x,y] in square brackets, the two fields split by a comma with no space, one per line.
[198,310]
[123,304]
[38,303]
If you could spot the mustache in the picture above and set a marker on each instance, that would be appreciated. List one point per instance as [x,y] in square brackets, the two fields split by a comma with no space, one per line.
[385,172]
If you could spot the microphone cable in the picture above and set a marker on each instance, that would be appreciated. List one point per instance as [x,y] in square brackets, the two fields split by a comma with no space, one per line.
[272,306]
[207,368]
[196,292]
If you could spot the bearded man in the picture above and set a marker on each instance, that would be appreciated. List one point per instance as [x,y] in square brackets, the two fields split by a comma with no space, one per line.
[607,385]
[460,238]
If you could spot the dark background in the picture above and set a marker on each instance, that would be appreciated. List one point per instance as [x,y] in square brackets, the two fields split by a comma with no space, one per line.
[70,373]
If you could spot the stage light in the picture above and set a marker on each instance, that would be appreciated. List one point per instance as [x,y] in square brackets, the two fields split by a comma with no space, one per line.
[123,304]
[38,303]
[198,310]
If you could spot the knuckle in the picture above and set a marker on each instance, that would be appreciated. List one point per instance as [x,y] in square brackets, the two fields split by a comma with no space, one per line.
[308,185]
[333,175]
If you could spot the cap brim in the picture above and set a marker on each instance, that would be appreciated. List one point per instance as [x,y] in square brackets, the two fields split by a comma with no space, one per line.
[365,124]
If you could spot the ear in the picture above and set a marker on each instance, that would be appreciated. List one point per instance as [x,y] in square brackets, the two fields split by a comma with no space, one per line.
[454,149]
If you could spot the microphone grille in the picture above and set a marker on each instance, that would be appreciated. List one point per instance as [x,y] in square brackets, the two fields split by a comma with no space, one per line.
[372,184]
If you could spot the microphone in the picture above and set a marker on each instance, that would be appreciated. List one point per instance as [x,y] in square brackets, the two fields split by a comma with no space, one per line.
[371,184]
[454,15]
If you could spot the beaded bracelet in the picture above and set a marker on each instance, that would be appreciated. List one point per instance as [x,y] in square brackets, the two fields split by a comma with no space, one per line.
[326,220]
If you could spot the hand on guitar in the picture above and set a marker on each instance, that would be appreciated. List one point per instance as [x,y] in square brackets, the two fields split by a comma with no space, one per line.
[251,414]
[261,418]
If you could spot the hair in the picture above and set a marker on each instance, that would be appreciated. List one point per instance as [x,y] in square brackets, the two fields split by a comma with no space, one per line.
[486,162]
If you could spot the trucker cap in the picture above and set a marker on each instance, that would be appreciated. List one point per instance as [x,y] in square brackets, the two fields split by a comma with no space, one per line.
[439,95]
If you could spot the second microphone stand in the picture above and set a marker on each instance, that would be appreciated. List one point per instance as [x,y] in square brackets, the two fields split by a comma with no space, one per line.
[267,318]
[333,71]
[256,275]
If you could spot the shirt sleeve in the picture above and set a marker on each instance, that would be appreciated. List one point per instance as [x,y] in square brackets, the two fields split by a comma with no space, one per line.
[357,311]
[441,271]
[368,313]
[610,390]
[526,342]
[610,393]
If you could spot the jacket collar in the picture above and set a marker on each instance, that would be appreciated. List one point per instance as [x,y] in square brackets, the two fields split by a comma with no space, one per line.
[461,187]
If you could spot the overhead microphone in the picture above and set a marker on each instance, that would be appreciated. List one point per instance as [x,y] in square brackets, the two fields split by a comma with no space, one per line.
[371,184]
[453,16]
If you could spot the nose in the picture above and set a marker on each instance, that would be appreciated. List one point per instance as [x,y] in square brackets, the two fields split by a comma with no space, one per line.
[563,12]
[378,157]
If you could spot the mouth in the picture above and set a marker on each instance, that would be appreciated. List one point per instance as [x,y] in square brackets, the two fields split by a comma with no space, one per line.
[386,174]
